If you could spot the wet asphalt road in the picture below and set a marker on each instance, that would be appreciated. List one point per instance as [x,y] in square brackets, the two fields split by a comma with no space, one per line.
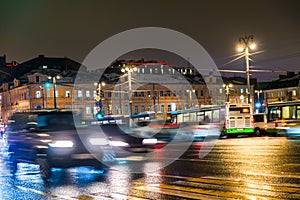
[237,168]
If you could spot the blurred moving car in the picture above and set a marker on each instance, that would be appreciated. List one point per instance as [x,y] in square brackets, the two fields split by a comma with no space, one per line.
[201,130]
[160,129]
[260,124]
[52,139]
[123,138]
[293,132]
[289,128]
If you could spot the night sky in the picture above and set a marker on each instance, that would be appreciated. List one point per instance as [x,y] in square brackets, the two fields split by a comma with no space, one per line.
[74,28]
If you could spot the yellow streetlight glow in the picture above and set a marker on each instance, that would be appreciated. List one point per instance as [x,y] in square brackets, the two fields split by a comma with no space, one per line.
[252,46]
[240,48]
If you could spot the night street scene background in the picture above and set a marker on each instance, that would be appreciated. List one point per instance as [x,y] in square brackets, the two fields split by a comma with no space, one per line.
[150,100]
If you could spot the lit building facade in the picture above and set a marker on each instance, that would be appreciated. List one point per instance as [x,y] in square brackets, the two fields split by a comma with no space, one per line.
[155,87]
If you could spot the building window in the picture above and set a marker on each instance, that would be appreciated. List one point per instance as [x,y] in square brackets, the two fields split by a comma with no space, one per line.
[126,110]
[68,94]
[79,94]
[169,107]
[143,108]
[126,95]
[155,108]
[242,90]
[149,107]
[136,109]
[149,94]
[117,109]
[168,93]
[87,94]
[242,99]
[68,106]
[109,94]
[162,108]
[37,94]
[95,94]
[135,94]
[56,93]
[88,110]
[201,93]
[161,93]
[142,94]
[37,79]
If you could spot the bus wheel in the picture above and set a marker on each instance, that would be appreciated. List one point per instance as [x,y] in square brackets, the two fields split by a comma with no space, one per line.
[257,132]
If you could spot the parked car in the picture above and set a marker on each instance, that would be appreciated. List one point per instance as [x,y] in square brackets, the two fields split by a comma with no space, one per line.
[52,139]
[260,124]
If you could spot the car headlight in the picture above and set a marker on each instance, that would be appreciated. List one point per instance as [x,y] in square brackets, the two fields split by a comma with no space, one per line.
[61,143]
[119,144]
[150,141]
[98,141]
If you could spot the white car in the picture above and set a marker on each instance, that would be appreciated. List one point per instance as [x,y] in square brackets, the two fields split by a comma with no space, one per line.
[293,132]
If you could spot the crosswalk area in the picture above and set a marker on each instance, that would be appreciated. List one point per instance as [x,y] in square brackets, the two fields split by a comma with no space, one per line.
[216,188]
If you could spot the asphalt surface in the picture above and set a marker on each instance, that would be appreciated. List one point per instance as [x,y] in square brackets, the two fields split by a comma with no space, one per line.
[237,168]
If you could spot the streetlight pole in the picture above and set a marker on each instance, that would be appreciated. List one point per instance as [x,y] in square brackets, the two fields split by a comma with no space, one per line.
[245,43]
[189,98]
[227,90]
[129,69]
[54,88]
[43,96]
[98,99]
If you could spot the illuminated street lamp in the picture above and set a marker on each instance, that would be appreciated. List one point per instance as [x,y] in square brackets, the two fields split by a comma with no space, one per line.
[54,78]
[129,69]
[245,43]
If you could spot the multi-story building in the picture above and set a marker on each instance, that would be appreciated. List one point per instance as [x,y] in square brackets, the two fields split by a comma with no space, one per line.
[286,88]
[156,87]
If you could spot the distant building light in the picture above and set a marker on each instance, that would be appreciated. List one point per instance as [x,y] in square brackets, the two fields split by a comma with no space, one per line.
[45,67]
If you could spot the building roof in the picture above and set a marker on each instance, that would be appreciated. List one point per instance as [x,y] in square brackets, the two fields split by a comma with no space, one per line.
[44,63]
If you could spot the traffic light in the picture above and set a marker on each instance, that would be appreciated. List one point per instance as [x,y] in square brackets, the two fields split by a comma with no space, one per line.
[47,85]
[101,93]
[99,115]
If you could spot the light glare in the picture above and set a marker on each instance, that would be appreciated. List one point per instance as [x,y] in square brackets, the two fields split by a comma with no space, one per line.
[62,143]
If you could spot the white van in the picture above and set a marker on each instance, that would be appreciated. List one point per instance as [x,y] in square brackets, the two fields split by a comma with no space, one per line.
[260,123]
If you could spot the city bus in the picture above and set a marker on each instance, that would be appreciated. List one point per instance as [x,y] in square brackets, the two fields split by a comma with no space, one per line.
[209,114]
[239,120]
[281,115]
[233,119]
